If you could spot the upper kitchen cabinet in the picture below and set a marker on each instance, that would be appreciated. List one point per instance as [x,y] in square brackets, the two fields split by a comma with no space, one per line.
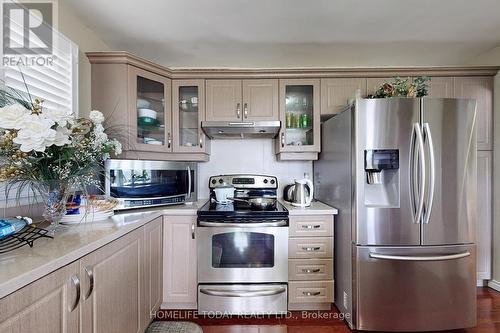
[242,100]
[150,116]
[441,87]
[299,137]
[481,89]
[135,96]
[336,92]
[188,111]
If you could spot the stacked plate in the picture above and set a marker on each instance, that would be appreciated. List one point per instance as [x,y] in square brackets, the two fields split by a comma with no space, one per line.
[96,208]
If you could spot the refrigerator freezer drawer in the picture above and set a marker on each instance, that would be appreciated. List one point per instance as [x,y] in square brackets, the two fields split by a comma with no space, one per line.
[415,288]
[242,299]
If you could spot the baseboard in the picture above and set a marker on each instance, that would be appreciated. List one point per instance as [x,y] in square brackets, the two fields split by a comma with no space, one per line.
[493,284]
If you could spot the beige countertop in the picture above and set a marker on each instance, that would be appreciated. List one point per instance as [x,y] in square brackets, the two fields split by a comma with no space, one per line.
[316,208]
[25,265]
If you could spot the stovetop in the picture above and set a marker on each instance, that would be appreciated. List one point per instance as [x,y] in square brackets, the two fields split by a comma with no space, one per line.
[213,211]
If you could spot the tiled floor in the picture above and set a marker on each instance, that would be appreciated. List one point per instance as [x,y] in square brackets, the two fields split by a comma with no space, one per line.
[488,302]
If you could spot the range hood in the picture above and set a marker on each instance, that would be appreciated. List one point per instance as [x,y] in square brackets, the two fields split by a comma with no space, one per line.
[241,129]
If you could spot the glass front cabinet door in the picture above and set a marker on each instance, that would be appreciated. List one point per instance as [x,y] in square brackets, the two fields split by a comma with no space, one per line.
[300,119]
[188,108]
[151,127]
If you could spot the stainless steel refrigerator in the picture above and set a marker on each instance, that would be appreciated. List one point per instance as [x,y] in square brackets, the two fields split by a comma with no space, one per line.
[402,173]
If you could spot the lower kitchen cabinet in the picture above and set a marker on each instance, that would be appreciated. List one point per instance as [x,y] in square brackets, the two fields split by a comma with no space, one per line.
[112,286]
[113,289]
[179,263]
[310,263]
[50,304]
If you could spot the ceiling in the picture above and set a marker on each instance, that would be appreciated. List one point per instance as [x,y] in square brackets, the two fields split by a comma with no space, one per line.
[296,33]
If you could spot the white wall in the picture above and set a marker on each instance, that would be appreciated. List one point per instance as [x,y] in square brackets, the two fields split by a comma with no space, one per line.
[248,156]
[73,27]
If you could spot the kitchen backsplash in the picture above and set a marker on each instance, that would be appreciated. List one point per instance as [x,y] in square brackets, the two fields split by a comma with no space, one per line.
[248,156]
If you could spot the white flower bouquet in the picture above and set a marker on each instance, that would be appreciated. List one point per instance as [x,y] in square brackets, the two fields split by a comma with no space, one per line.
[51,151]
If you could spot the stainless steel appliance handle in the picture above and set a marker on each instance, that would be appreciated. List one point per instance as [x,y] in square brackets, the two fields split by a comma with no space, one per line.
[76,282]
[420,258]
[188,169]
[307,270]
[238,111]
[90,274]
[411,165]
[316,226]
[432,172]
[193,235]
[311,249]
[280,223]
[421,159]
[243,293]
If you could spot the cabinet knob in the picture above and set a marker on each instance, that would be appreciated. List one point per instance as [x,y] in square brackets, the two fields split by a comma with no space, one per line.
[201,141]
[282,139]
[245,110]
[192,231]
[169,140]
[238,110]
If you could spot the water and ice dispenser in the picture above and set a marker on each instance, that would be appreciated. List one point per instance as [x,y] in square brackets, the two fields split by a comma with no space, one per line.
[382,177]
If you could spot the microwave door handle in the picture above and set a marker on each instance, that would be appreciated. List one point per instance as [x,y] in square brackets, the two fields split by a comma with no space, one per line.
[188,169]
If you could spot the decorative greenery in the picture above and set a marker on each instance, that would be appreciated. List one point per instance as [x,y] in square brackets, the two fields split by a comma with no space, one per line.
[41,145]
[400,87]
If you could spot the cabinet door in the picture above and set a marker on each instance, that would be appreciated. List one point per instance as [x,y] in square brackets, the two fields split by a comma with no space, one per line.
[300,115]
[179,263]
[188,111]
[335,93]
[260,100]
[481,89]
[373,83]
[113,303]
[151,119]
[153,243]
[484,213]
[223,100]
[50,304]
[441,87]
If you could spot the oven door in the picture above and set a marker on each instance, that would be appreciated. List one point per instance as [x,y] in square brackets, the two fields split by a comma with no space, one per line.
[242,254]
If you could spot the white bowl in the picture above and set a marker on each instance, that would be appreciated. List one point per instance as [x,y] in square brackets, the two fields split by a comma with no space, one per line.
[143,103]
[147,113]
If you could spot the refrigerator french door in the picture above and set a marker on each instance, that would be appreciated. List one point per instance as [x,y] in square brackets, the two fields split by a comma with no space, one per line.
[405,237]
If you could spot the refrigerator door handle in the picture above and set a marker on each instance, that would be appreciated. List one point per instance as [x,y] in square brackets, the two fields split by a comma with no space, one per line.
[420,258]
[418,207]
[432,171]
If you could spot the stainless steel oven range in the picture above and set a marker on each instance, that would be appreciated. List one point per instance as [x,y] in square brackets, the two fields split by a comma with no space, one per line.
[243,249]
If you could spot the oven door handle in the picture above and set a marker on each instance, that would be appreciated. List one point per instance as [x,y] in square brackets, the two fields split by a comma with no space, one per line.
[280,223]
[243,293]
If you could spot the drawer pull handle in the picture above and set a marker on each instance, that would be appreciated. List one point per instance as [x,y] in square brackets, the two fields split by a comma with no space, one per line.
[311,293]
[90,274]
[316,226]
[311,249]
[307,270]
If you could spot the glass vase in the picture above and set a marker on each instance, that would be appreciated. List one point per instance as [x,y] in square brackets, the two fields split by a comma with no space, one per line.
[54,194]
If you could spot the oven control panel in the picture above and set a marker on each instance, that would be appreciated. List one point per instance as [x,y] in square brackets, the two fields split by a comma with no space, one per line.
[243,181]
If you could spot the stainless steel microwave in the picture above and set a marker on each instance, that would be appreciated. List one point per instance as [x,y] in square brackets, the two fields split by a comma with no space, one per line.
[139,184]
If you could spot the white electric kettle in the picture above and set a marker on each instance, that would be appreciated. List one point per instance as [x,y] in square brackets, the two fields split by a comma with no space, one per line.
[301,193]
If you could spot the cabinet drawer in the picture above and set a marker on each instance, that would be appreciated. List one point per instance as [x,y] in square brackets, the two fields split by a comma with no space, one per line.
[310,292]
[310,269]
[312,225]
[310,247]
